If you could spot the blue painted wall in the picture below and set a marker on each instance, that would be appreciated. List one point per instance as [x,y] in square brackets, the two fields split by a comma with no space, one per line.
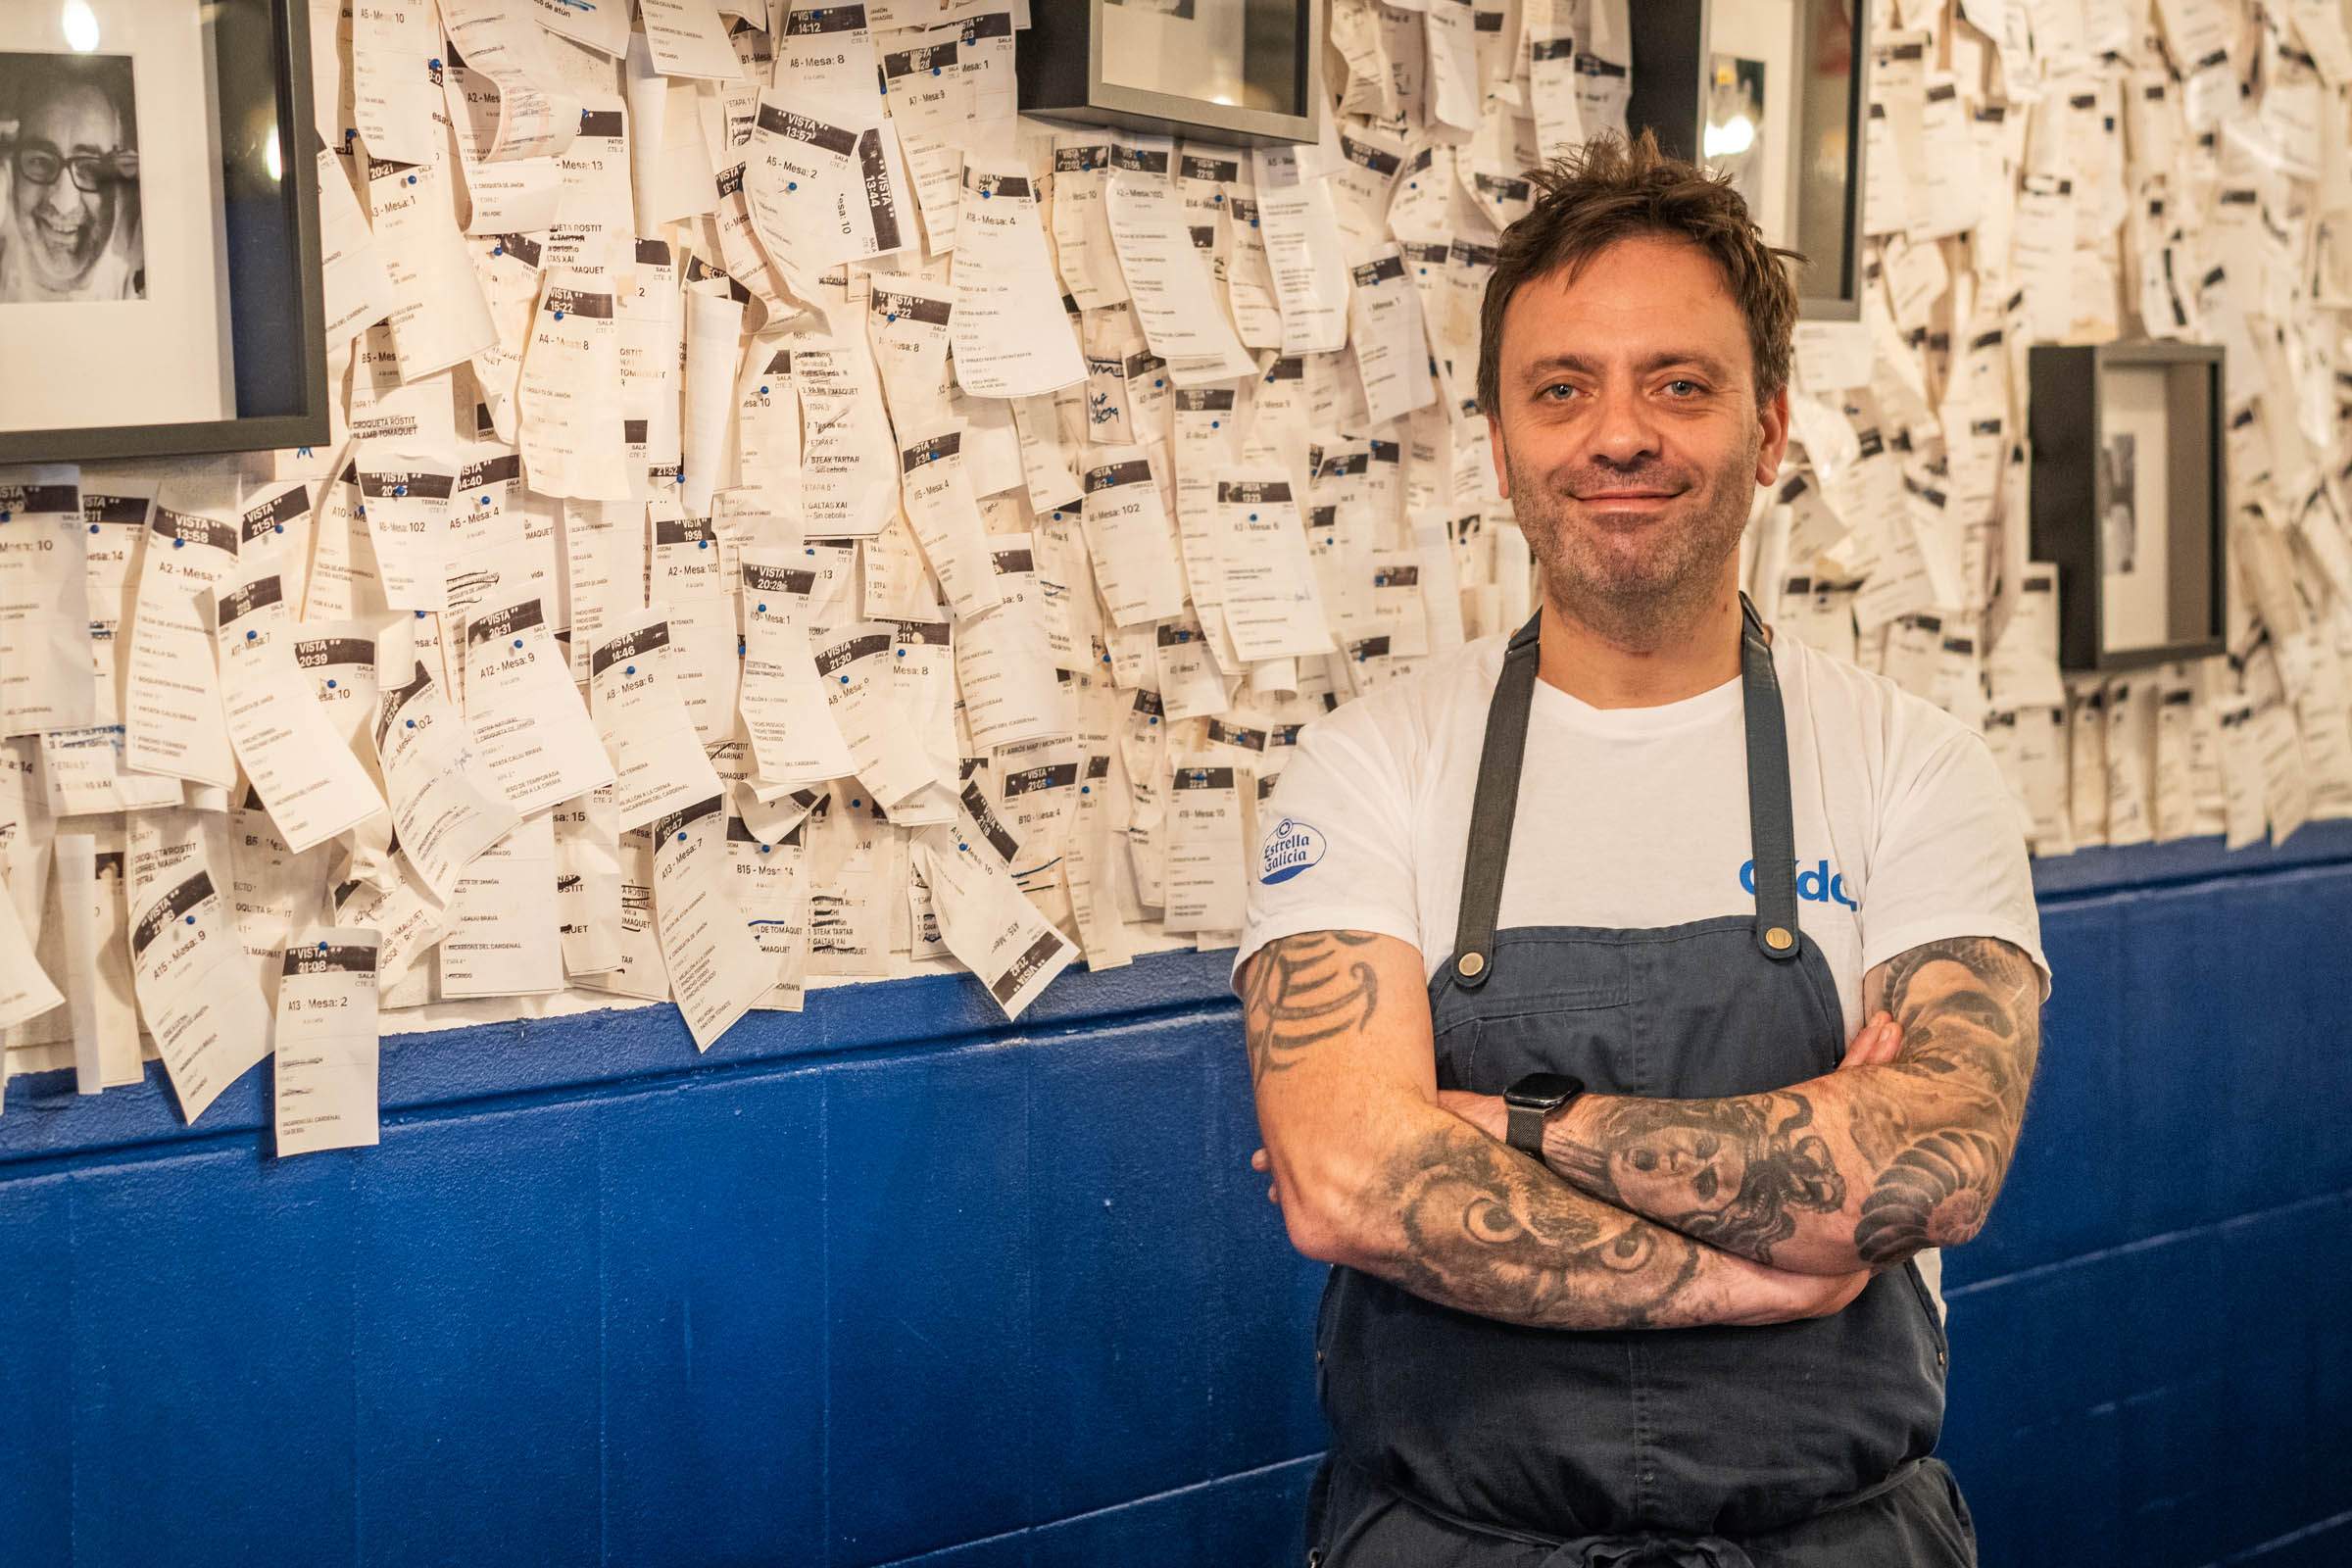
[890,1283]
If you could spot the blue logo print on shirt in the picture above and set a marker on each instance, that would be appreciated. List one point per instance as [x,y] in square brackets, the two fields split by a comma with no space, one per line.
[1291,848]
[1815,883]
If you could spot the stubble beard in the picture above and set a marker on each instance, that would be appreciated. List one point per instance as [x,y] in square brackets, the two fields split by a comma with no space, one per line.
[1674,585]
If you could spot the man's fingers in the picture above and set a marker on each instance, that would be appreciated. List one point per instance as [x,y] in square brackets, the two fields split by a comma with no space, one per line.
[1273,1197]
[1877,1044]
[1257,1161]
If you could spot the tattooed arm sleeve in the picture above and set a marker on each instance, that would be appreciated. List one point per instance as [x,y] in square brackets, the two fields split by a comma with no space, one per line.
[1860,1168]
[1374,1174]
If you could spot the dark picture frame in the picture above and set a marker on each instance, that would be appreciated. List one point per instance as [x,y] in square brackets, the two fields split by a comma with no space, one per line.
[1064,73]
[2129,482]
[261,60]
[1675,50]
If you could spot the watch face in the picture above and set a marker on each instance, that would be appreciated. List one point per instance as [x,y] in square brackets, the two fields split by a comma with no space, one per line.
[1544,1089]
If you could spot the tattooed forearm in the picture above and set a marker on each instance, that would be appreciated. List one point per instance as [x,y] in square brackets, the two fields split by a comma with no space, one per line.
[1970,1014]
[1489,1232]
[1865,1166]
[1300,990]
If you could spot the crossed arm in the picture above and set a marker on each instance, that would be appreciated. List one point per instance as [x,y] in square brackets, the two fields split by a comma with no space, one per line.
[1859,1168]
[1374,1172]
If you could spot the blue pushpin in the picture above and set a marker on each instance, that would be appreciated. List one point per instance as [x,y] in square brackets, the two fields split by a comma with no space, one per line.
[278,527]
[191,919]
[411,180]
[421,614]
[791,184]
[765,848]
[856,803]
[559,315]
[844,680]
[411,723]
[901,653]
[518,641]
[699,543]
[681,835]
[93,527]
[764,609]
[764,391]
[497,250]
[179,543]
[251,635]
[330,685]
[485,501]
[630,670]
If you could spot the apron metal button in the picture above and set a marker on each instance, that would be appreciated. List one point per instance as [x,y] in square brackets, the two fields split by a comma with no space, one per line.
[1778,939]
[1472,964]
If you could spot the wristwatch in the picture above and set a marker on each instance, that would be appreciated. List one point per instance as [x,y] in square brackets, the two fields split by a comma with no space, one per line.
[1530,1100]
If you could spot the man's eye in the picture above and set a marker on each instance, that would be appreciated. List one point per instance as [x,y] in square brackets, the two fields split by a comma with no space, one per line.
[1681,386]
[1559,392]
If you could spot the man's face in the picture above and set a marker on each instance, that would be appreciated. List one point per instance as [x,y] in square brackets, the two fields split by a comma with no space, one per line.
[1628,434]
[66,228]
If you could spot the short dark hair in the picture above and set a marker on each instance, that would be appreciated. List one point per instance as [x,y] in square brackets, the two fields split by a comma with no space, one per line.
[1610,189]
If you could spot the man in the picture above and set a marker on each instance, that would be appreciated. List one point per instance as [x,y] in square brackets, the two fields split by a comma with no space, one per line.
[69,168]
[1664,1305]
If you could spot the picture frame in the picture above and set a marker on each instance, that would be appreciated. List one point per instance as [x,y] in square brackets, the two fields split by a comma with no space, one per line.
[1241,71]
[1772,91]
[159,237]
[2128,500]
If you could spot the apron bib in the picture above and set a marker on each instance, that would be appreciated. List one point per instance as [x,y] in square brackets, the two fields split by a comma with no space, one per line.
[1461,1440]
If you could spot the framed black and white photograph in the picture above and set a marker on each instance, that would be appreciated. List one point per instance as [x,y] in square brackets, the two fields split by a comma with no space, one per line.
[2128,499]
[157,231]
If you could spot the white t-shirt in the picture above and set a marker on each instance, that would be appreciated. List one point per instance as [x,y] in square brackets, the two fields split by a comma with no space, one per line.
[1637,817]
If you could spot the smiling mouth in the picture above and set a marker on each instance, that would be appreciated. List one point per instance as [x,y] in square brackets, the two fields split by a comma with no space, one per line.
[1627,498]
[63,235]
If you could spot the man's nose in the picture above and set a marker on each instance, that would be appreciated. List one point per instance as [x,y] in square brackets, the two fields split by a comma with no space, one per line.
[1623,435]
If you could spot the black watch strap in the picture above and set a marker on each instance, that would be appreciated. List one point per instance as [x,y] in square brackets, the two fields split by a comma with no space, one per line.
[1526,1130]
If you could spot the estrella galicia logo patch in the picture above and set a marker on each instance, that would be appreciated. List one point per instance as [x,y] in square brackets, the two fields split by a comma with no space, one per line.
[1291,848]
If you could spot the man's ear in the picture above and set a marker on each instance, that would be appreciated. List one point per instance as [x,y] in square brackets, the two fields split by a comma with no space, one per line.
[1773,415]
[1494,453]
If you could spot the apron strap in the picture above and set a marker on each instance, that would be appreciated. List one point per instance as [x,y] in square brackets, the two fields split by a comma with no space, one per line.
[1771,825]
[1494,809]
[1771,820]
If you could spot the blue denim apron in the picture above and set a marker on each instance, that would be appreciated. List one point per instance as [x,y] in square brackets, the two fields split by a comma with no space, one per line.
[1461,1440]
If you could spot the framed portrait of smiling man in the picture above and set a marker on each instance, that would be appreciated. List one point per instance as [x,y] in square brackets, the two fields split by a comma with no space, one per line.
[158,229]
